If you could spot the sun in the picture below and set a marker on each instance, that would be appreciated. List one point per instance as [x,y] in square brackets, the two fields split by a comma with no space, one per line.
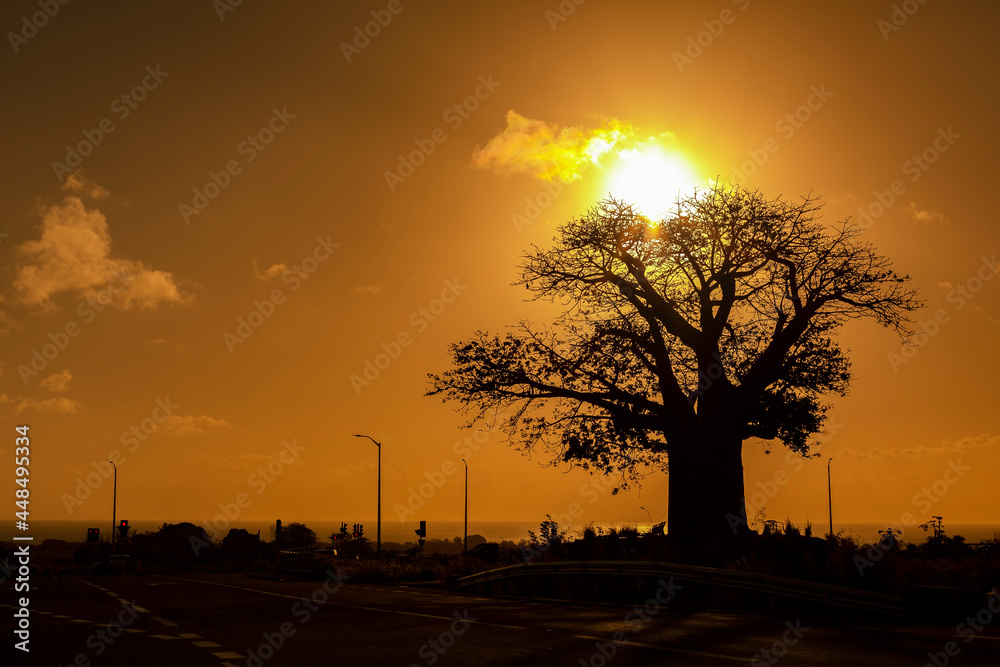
[650,177]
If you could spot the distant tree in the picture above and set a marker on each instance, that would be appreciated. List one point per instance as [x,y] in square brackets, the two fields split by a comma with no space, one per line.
[681,339]
[296,535]
[179,545]
[239,544]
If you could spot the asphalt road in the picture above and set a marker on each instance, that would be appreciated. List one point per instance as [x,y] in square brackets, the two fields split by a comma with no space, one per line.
[219,619]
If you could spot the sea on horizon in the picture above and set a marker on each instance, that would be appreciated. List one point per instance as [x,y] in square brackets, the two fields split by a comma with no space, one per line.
[493,531]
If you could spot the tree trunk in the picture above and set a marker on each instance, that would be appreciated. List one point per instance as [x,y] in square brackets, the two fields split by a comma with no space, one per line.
[706,497]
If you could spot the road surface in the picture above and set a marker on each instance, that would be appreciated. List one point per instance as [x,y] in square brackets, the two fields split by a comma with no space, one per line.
[230,619]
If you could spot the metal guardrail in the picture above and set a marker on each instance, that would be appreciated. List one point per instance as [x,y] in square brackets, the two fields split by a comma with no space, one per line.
[895,605]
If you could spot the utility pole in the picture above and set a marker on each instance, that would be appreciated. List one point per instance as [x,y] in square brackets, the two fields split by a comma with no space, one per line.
[114,508]
[378,529]
[465,543]
[829,491]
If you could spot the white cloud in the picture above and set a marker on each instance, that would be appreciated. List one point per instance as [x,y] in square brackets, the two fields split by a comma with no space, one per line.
[180,426]
[963,445]
[81,185]
[61,405]
[923,216]
[271,273]
[57,382]
[73,254]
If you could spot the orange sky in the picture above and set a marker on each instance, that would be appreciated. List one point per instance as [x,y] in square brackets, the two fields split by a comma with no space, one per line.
[286,123]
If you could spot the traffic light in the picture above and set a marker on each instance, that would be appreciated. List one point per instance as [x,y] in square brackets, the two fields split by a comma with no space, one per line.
[422,531]
[361,531]
[355,528]
[123,529]
[277,530]
[93,534]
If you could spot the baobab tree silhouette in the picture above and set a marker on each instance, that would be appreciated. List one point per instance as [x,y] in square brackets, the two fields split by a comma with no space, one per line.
[681,339]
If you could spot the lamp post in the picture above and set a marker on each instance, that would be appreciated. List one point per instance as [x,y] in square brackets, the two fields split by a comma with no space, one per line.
[465,543]
[114,507]
[829,492]
[378,528]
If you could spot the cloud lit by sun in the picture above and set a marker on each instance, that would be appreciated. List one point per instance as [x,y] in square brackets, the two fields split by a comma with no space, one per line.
[549,152]
[646,173]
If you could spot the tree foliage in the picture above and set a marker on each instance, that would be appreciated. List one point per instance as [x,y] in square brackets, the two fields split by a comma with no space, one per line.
[717,321]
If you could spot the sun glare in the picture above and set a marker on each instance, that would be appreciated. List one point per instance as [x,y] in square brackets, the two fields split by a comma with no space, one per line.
[651,178]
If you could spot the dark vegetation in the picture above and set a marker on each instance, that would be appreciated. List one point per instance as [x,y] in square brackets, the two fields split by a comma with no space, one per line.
[781,549]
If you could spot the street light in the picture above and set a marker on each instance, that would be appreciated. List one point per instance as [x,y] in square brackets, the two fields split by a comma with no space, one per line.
[114,508]
[378,529]
[465,544]
[829,491]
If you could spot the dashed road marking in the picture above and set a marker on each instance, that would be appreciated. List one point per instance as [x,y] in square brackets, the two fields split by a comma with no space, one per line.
[169,624]
[165,636]
[226,655]
[207,644]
